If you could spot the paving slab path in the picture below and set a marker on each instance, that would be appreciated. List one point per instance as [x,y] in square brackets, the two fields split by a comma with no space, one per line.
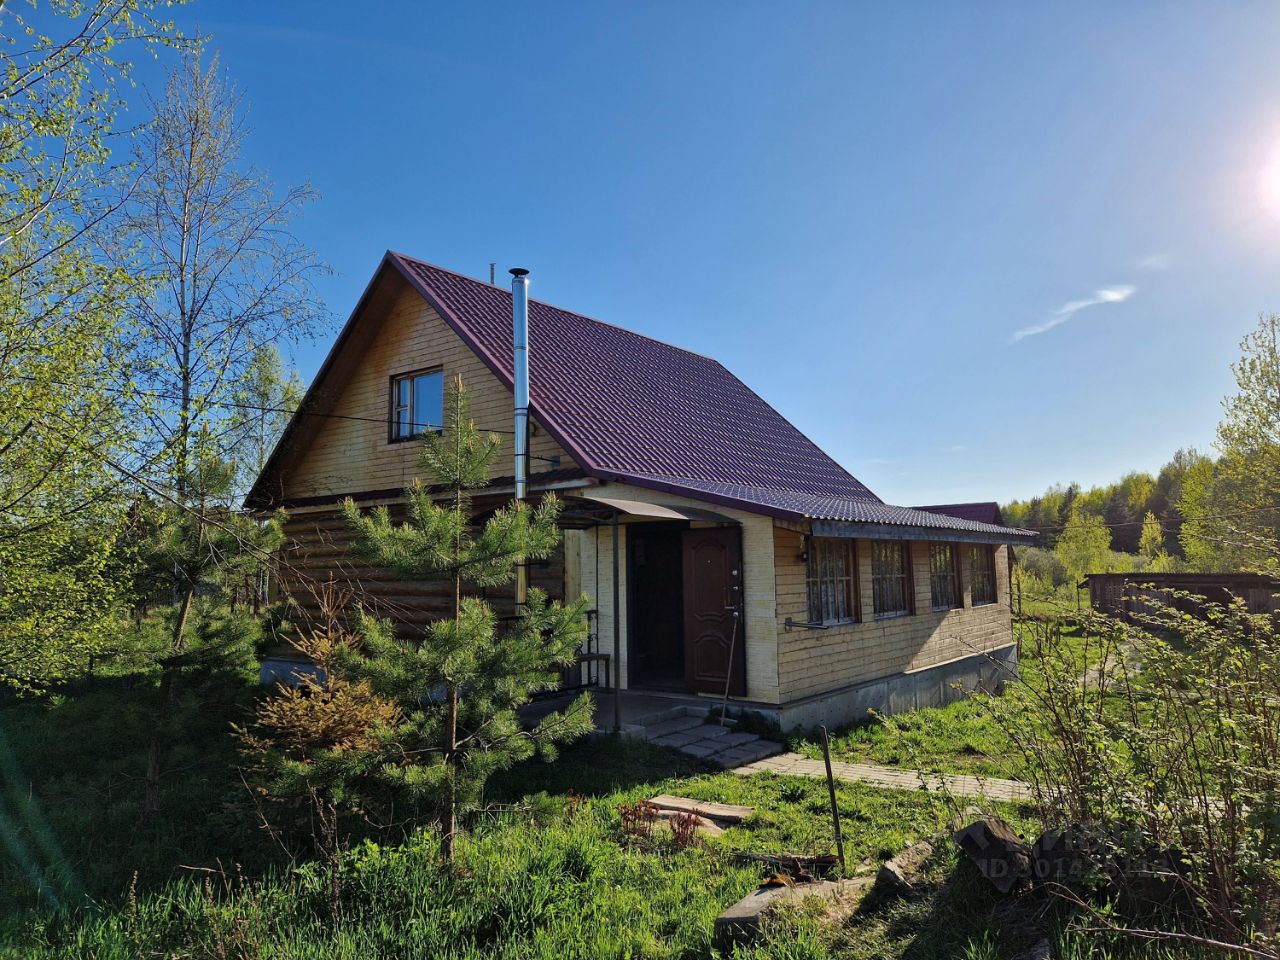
[961,785]
[690,732]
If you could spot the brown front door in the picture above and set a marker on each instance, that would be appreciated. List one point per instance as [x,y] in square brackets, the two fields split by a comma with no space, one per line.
[714,647]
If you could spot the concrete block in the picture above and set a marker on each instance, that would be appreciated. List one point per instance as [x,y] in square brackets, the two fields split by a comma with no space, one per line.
[741,922]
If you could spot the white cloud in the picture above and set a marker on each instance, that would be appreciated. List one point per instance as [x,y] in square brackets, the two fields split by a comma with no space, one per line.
[1072,307]
[1156,261]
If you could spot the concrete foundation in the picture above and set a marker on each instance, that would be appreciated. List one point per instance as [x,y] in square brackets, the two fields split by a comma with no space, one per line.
[933,686]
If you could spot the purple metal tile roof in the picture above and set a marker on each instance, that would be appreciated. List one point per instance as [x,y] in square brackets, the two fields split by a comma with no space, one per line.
[790,504]
[624,404]
[988,511]
[633,409]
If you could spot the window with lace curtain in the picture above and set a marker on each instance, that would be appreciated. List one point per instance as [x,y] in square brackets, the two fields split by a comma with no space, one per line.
[891,578]
[831,580]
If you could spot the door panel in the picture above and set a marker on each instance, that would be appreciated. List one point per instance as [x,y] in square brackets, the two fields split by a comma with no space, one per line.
[714,645]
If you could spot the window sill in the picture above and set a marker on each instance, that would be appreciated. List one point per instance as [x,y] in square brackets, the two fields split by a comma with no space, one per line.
[790,624]
[983,603]
[414,436]
[895,615]
[947,609]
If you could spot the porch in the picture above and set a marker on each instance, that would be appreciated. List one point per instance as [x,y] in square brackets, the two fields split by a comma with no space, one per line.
[686,722]
[667,580]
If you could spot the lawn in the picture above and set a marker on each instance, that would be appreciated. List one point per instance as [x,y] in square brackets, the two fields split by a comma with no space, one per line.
[81,877]
[567,882]
[964,737]
[961,737]
[563,883]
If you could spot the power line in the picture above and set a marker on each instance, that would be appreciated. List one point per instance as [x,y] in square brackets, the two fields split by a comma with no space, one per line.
[1161,521]
[299,411]
[237,405]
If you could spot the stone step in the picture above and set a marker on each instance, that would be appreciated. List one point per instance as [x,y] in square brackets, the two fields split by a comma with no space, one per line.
[662,728]
[711,731]
[680,738]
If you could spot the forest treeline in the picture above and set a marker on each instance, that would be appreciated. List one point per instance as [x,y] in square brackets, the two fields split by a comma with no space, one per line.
[1200,512]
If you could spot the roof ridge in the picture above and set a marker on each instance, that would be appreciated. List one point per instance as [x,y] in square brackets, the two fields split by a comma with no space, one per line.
[544,303]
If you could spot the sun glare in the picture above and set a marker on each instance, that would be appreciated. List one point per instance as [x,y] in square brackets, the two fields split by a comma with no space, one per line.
[1269,184]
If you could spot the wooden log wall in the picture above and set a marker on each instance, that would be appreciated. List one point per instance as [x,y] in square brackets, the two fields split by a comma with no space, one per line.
[316,563]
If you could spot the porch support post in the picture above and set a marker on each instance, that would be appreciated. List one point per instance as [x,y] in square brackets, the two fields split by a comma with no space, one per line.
[617,636]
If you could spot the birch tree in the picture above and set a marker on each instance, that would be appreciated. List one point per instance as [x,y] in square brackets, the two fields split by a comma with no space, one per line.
[228,275]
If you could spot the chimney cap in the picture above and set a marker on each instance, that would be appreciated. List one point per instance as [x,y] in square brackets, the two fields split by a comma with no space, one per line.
[518,272]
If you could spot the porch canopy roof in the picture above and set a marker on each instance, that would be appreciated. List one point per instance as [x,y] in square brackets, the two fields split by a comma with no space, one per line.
[840,516]
[592,514]
[868,519]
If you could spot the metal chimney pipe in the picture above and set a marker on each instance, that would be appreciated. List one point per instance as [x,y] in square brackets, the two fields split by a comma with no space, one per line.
[520,362]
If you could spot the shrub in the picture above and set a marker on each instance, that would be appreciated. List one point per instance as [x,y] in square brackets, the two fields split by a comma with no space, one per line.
[1157,745]
[1043,565]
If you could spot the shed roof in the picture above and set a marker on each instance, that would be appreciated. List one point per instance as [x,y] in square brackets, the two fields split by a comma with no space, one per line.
[633,409]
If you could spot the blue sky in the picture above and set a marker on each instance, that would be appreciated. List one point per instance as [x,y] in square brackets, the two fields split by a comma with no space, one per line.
[855,207]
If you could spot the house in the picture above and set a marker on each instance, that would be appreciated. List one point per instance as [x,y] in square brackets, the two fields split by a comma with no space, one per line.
[748,562]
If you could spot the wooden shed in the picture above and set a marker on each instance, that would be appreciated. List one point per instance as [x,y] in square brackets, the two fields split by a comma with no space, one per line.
[1133,594]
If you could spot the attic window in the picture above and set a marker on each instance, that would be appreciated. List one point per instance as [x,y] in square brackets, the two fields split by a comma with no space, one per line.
[417,404]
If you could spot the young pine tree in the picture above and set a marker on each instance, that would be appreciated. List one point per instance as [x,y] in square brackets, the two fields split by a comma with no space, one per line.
[203,544]
[461,686]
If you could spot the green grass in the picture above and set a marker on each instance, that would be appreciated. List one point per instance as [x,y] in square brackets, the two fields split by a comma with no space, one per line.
[73,769]
[537,884]
[564,888]
[961,737]
[575,886]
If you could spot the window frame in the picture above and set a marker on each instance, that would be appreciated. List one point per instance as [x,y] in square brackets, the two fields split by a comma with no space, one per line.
[394,407]
[906,575]
[988,553]
[935,573]
[853,598]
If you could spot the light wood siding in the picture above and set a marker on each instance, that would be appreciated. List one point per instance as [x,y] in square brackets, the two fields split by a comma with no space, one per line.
[351,455]
[594,566]
[812,662]
[354,455]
